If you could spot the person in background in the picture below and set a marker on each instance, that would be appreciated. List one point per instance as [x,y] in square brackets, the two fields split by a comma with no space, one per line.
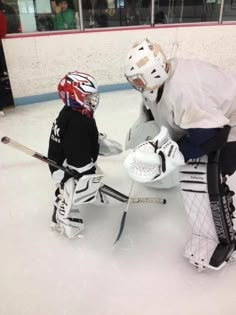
[12,26]
[100,16]
[132,12]
[3,30]
[12,19]
[64,17]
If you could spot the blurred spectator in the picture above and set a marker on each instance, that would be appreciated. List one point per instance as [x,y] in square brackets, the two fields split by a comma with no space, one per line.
[100,15]
[3,25]
[64,18]
[132,12]
[44,22]
[12,20]
[88,13]
[87,5]
[160,18]
[71,5]
[3,30]
[145,3]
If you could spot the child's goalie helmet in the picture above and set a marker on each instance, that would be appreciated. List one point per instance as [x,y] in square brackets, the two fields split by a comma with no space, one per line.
[79,91]
[145,68]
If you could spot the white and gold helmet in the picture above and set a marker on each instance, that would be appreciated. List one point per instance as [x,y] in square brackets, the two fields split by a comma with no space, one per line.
[145,68]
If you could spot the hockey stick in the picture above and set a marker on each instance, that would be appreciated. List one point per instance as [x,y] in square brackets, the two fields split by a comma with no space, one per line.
[122,223]
[104,188]
[123,198]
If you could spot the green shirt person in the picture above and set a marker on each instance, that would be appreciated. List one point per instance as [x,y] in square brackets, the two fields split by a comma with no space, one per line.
[64,18]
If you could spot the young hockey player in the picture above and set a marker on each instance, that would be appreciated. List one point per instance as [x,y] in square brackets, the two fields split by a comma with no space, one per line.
[76,143]
[193,103]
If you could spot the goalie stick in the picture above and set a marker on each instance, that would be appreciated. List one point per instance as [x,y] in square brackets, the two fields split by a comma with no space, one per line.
[122,223]
[104,188]
[124,198]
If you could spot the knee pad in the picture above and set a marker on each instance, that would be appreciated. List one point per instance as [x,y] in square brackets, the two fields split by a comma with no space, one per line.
[208,202]
[77,192]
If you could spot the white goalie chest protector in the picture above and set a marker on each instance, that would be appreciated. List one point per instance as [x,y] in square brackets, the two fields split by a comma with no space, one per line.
[196,94]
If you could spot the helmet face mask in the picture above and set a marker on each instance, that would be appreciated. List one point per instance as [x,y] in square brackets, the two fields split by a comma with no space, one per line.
[145,68]
[79,91]
[92,100]
[138,82]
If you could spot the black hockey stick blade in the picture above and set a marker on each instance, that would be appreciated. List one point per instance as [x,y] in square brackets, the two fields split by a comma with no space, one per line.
[114,193]
[122,224]
[117,195]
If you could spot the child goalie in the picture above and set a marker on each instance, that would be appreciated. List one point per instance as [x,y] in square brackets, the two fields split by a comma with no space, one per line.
[76,143]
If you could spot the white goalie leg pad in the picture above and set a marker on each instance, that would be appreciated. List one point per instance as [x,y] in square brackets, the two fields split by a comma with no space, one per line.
[193,181]
[73,194]
[108,147]
[101,199]
[210,246]
[68,218]
[86,189]
[72,225]
[199,250]
[66,201]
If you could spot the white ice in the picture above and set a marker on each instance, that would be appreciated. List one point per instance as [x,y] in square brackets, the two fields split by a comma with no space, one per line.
[43,273]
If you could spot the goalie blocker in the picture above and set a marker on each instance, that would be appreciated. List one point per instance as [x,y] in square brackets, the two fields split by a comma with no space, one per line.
[209,204]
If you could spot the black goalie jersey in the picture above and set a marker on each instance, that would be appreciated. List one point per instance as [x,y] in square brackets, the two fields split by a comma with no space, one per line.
[74,138]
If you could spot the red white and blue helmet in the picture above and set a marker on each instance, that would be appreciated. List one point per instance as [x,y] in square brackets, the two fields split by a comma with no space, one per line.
[79,90]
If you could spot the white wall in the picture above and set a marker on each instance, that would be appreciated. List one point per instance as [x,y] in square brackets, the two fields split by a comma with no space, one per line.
[36,64]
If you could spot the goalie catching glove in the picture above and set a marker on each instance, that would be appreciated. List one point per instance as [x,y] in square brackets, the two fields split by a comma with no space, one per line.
[107,146]
[154,159]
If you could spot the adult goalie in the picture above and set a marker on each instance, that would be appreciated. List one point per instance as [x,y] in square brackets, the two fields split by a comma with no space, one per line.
[196,102]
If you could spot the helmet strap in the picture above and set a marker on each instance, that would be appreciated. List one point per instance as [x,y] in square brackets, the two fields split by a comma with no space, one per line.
[83,111]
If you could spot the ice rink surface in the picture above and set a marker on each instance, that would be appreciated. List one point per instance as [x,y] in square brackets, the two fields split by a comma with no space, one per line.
[43,273]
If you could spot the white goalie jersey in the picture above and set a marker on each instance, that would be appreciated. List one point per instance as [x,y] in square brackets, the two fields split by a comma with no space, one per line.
[196,95]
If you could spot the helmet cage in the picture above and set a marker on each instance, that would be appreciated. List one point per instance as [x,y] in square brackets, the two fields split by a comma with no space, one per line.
[92,100]
[137,81]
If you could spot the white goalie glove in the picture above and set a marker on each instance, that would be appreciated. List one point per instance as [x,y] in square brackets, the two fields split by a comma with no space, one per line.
[154,159]
[107,146]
